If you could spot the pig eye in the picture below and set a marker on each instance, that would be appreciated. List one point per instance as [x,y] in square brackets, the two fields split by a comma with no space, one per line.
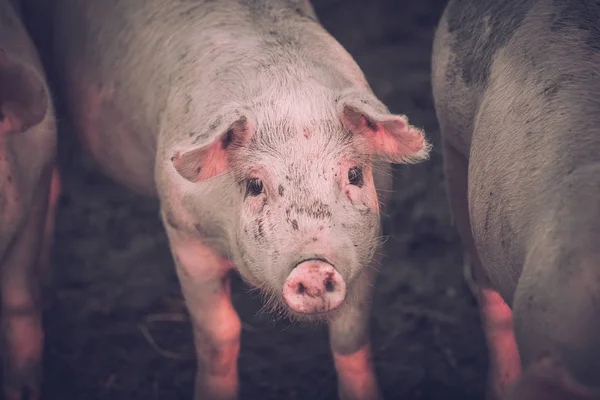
[355,176]
[254,187]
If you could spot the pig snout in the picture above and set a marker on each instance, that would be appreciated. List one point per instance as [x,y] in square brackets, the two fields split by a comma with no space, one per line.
[314,287]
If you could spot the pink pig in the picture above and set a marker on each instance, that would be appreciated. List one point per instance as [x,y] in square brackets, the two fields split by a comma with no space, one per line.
[29,189]
[266,147]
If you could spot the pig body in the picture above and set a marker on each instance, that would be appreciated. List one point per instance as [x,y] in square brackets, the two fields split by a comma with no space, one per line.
[266,147]
[29,190]
[517,94]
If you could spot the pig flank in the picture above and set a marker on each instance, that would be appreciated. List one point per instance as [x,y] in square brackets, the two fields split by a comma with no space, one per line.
[517,94]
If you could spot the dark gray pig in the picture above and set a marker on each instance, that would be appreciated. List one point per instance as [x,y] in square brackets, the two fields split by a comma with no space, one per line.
[266,147]
[29,189]
[517,93]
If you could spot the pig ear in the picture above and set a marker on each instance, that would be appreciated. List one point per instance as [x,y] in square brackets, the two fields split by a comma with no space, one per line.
[23,95]
[388,136]
[208,160]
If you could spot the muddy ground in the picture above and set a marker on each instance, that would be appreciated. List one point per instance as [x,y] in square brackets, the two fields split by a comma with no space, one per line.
[118,329]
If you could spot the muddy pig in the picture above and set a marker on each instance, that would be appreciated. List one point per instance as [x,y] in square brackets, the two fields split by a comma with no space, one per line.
[516,85]
[266,147]
[29,188]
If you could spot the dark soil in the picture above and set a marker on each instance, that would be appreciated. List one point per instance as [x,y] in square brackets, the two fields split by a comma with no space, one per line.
[118,328]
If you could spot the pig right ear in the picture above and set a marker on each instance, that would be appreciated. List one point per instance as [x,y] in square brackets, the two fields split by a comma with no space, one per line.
[23,96]
[209,160]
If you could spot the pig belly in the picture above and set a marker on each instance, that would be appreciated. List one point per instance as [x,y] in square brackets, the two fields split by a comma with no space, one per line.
[114,139]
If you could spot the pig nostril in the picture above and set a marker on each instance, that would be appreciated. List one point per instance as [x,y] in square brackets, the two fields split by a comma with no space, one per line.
[329,286]
[301,288]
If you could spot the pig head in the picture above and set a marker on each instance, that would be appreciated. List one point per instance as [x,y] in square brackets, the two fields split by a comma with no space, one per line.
[305,209]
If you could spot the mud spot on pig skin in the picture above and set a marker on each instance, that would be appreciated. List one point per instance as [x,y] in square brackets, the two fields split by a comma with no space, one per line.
[260,233]
[191,10]
[188,104]
[215,123]
[301,13]
[294,224]
[556,85]
[280,190]
[170,220]
[200,229]
[200,138]
[317,210]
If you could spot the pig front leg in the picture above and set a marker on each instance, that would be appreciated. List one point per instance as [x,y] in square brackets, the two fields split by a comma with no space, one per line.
[21,321]
[505,363]
[203,275]
[350,344]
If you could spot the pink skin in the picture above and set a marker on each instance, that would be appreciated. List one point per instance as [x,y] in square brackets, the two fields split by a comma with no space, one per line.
[314,287]
[355,381]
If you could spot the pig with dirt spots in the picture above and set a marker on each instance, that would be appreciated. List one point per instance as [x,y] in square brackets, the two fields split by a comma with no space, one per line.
[266,147]
[516,85]
[29,189]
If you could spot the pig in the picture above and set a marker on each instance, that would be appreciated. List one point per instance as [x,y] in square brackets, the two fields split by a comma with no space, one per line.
[29,190]
[266,148]
[546,378]
[516,88]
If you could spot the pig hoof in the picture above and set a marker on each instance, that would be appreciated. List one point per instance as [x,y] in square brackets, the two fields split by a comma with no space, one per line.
[314,287]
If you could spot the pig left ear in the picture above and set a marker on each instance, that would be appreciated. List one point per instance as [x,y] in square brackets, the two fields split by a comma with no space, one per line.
[205,161]
[388,136]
